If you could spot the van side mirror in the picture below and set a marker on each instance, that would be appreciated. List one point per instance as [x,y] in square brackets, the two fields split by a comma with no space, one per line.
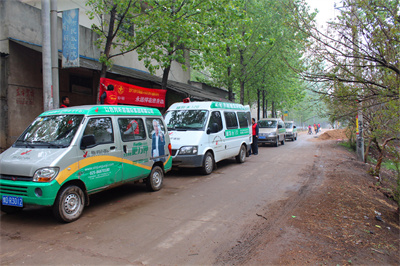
[87,141]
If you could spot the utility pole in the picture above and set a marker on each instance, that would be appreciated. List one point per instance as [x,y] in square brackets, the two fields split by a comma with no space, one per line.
[54,54]
[46,57]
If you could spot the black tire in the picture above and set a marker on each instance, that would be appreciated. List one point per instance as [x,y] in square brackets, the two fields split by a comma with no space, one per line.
[10,209]
[69,204]
[283,141]
[276,144]
[208,163]
[155,180]
[241,157]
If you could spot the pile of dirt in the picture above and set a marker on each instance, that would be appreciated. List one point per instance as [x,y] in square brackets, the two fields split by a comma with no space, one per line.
[335,134]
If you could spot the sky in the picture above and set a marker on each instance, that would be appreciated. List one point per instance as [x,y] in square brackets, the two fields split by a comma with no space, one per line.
[326,10]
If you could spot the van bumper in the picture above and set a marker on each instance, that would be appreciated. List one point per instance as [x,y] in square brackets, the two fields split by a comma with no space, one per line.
[267,140]
[32,193]
[188,161]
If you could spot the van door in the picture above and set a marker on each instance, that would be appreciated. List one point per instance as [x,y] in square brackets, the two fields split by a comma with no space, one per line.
[158,143]
[232,137]
[135,148]
[216,138]
[102,164]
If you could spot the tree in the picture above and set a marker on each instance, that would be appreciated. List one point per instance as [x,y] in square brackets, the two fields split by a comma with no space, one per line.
[357,59]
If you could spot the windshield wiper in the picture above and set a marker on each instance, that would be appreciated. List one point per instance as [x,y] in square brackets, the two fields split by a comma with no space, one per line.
[25,143]
[50,144]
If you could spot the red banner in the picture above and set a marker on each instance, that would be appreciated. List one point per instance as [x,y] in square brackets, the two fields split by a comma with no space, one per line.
[134,95]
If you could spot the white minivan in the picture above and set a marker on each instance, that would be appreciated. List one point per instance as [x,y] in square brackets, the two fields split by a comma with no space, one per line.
[203,133]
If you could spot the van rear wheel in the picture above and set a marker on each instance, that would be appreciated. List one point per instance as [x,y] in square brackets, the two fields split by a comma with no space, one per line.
[155,180]
[69,204]
[208,163]
[241,157]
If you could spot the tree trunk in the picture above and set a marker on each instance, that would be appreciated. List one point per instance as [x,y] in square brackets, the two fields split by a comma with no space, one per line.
[107,48]
[381,155]
[273,109]
[230,89]
[242,78]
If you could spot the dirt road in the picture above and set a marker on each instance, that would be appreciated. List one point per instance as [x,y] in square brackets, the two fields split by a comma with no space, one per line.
[240,214]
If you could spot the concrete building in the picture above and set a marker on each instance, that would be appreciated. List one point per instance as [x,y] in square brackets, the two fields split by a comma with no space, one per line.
[21,74]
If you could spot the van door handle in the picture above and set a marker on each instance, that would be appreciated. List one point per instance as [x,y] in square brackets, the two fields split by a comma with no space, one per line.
[124,148]
[112,148]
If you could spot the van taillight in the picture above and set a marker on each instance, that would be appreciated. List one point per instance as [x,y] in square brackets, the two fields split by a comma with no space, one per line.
[170,149]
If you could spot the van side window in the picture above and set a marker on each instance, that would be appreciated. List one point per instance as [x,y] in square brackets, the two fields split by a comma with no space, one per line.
[243,122]
[101,128]
[215,119]
[131,129]
[151,123]
[230,120]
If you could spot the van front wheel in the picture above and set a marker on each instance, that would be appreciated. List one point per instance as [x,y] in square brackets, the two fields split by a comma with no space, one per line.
[69,204]
[208,164]
[241,157]
[155,179]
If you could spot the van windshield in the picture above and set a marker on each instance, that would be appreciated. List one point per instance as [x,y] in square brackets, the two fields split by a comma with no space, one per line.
[267,124]
[56,131]
[186,119]
[288,125]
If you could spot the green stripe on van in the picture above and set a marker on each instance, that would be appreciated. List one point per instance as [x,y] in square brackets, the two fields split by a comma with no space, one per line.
[237,132]
[105,110]
[222,105]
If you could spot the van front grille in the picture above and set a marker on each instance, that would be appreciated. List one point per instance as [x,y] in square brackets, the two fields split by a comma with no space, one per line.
[16,178]
[14,190]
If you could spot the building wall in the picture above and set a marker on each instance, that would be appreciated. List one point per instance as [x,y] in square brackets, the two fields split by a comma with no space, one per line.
[25,93]
[86,40]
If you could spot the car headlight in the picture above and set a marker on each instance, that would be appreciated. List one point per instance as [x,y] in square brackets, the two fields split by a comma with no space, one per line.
[272,134]
[188,150]
[46,174]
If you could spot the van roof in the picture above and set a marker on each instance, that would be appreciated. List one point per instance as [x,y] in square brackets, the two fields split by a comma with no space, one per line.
[104,110]
[209,105]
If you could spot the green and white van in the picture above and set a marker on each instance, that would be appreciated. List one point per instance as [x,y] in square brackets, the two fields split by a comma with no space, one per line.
[203,133]
[67,154]
[271,131]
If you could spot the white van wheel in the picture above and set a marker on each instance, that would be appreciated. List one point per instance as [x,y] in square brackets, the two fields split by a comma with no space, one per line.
[241,157]
[155,180]
[208,164]
[69,204]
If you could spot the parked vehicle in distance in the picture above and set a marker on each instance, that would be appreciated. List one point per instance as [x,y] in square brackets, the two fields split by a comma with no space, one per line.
[203,133]
[291,130]
[67,154]
[271,131]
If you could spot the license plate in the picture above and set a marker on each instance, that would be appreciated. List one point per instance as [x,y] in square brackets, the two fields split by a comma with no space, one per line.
[262,137]
[12,201]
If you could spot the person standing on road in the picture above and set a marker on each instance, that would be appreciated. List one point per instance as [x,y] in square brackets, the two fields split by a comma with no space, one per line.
[315,129]
[64,102]
[109,96]
[254,145]
[319,127]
